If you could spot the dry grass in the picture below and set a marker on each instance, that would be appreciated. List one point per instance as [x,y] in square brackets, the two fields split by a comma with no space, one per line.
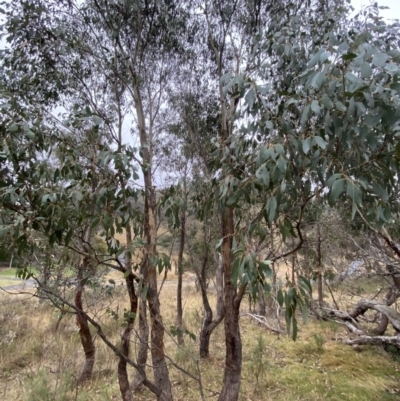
[37,363]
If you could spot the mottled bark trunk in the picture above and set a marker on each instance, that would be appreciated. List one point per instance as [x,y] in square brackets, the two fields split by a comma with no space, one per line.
[179,309]
[123,378]
[320,275]
[143,347]
[233,343]
[161,375]
[83,328]
[160,369]
[44,279]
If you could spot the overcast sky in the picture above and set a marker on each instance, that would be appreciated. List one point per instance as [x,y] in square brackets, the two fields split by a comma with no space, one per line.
[392,13]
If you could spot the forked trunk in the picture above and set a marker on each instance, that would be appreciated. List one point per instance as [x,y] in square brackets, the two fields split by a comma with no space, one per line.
[143,338]
[209,324]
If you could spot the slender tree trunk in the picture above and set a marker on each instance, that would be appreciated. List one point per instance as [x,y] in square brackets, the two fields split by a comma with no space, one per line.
[261,300]
[123,378]
[83,326]
[233,342]
[161,376]
[179,309]
[320,275]
[293,265]
[143,338]
[209,324]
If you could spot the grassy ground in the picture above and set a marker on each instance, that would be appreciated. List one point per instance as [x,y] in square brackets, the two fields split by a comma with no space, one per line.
[38,363]
[8,276]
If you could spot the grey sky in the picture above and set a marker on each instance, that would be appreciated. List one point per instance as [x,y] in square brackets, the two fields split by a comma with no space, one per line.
[392,13]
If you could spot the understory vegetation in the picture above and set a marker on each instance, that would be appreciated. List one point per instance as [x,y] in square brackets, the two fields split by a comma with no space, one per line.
[38,362]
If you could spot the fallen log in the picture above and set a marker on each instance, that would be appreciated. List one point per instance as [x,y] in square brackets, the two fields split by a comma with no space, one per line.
[392,315]
[378,340]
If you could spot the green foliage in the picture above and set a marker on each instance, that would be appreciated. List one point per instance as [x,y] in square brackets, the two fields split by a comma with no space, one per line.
[180,331]
[259,364]
[319,342]
[40,388]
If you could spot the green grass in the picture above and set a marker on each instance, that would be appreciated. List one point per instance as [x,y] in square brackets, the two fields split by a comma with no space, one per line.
[6,283]
[12,272]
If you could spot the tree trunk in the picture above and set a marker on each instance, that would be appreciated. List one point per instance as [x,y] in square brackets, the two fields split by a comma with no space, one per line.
[160,369]
[233,343]
[83,327]
[123,379]
[320,276]
[209,324]
[179,309]
[161,376]
[143,337]
[261,300]
[293,265]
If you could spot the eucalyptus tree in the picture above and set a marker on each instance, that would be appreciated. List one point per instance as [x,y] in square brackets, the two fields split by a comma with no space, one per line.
[320,98]
[95,54]
[228,35]
[196,123]
[323,116]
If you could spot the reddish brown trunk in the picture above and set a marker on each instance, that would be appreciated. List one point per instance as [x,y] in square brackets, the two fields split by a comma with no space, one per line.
[84,330]
[179,308]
